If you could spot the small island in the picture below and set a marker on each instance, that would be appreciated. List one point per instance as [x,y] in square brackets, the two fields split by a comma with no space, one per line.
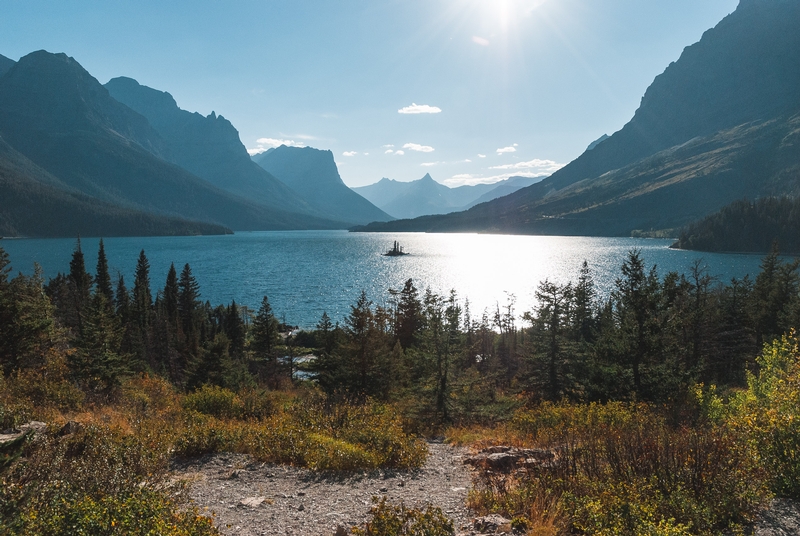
[396,251]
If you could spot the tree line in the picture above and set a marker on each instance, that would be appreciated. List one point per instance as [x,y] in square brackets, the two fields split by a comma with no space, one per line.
[650,339]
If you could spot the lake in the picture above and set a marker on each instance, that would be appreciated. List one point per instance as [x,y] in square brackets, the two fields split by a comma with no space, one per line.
[307,272]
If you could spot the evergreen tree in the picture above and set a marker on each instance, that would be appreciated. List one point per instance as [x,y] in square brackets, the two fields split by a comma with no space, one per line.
[170,297]
[103,278]
[80,284]
[188,300]
[583,305]
[265,338]
[551,360]
[409,315]
[142,302]
[235,330]
[97,363]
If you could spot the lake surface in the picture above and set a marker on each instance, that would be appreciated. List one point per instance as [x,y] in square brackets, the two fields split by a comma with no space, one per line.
[307,272]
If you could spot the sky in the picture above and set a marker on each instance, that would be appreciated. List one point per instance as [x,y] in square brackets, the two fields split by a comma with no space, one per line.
[467,90]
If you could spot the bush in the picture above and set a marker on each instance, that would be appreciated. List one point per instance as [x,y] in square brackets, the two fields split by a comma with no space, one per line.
[621,468]
[768,413]
[397,520]
[215,401]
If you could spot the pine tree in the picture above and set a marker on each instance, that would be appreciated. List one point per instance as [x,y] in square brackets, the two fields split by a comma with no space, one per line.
[97,363]
[409,315]
[170,294]
[188,300]
[142,296]
[265,339]
[102,277]
[80,285]
[235,329]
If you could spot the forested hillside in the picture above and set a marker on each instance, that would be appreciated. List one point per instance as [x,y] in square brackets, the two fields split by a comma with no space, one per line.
[747,226]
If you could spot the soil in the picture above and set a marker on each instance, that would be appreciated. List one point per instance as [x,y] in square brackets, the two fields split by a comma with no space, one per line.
[248,498]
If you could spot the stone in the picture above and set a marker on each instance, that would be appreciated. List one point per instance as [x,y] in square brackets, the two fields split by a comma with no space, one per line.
[491,524]
[71,427]
[252,501]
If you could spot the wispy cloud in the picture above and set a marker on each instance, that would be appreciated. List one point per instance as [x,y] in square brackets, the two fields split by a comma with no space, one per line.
[481,156]
[540,167]
[419,148]
[387,146]
[263,144]
[480,41]
[419,109]
[509,149]
[349,153]
[399,152]
[389,151]
[467,179]
[429,164]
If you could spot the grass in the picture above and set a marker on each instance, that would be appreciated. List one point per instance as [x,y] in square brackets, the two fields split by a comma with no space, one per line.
[112,476]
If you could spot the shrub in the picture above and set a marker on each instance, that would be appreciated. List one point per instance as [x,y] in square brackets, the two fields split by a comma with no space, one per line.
[768,413]
[398,520]
[215,401]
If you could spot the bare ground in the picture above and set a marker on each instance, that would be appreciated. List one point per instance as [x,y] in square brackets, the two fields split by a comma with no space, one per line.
[248,498]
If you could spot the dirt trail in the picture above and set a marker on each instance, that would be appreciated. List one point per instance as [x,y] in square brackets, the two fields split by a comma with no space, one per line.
[254,499]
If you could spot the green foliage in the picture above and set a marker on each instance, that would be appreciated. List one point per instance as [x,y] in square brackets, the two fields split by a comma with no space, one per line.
[97,481]
[768,413]
[341,437]
[398,520]
[621,468]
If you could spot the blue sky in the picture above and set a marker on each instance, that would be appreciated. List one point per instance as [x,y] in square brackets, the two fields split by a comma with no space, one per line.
[502,87]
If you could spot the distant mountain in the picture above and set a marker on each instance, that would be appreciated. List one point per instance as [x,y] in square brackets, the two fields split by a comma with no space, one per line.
[5,64]
[426,196]
[209,147]
[719,124]
[36,204]
[312,173]
[61,118]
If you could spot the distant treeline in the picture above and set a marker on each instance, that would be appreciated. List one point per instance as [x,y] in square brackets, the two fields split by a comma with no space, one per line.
[650,340]
[747,226]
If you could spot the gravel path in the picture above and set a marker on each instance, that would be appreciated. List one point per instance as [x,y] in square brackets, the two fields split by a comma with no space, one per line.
[252,499]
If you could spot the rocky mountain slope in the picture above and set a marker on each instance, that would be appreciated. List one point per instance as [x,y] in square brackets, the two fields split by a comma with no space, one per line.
[313,174]
[59,117]
[718,125]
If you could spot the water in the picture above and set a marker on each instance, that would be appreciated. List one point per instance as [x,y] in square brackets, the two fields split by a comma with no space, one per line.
[307,272]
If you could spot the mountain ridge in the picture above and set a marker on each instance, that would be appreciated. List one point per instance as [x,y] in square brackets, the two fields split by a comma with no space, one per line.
[744,73]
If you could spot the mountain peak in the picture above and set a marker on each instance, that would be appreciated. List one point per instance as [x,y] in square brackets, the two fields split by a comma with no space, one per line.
[5,64]
[428,178]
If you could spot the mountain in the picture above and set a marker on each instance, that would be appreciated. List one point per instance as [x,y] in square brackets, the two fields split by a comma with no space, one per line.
[503,188]
[312,173]
[426,196]
[5,64]
[719,124]
[35,203]
[209,147]
[61,118]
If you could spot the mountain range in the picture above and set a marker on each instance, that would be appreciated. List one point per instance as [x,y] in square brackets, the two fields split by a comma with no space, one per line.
[720,124]
[426,196]
[127,151]
[312,173]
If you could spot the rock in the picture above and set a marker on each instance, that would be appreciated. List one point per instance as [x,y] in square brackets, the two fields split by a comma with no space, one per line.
[497,449]
[301,508]
[71,427]
[236,473]
[491,524]
[252,501]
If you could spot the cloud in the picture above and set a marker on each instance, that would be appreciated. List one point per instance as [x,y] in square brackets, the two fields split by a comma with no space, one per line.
[509,149]
[419,109]
[467,179]
[399,152]
[349,153]
[480,41]
[540,167]
[481,156]
[268,143]
[429,164]
[419,148]
[388,151]
[387,146]
[468,161]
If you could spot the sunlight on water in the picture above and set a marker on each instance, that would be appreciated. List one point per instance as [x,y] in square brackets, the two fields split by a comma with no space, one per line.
[307,272]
